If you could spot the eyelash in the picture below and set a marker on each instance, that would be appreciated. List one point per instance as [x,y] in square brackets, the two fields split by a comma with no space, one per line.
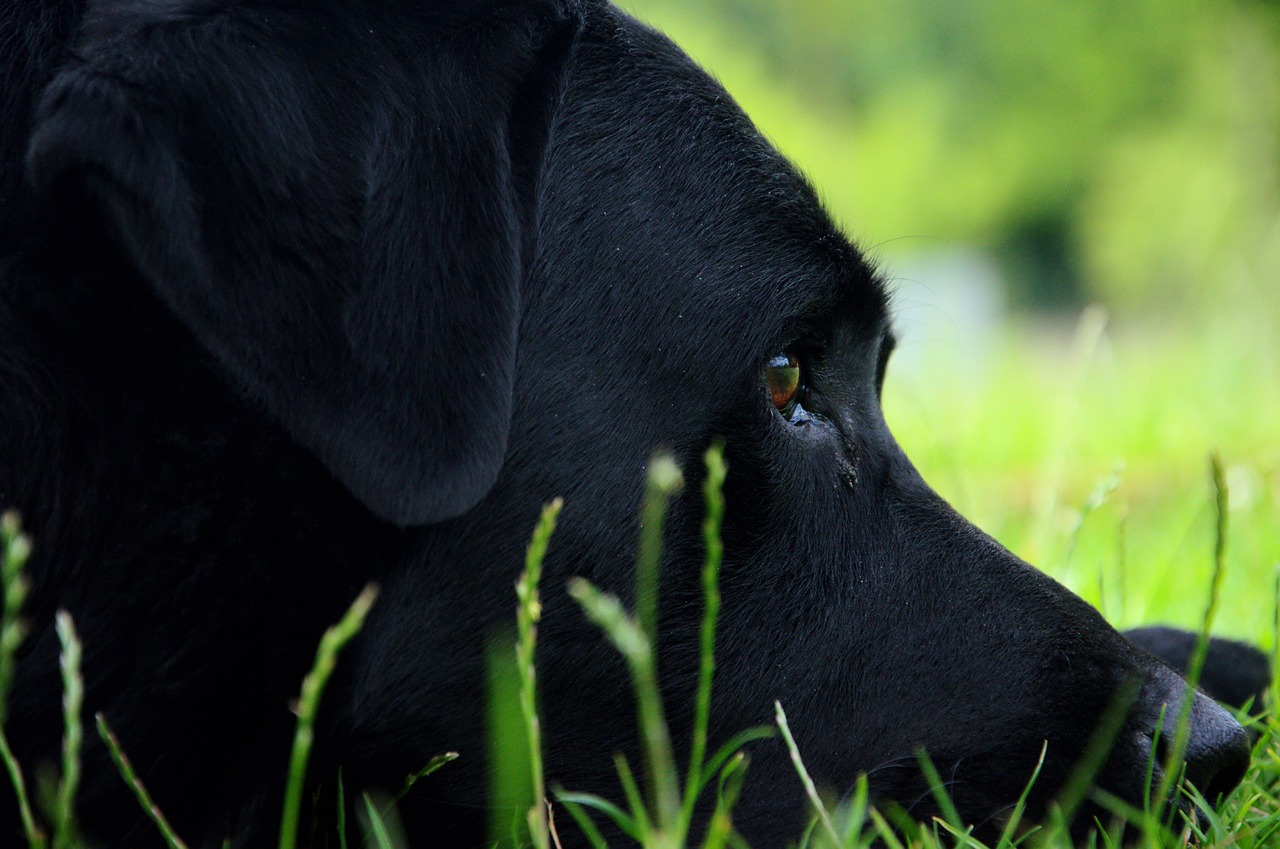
[882,360]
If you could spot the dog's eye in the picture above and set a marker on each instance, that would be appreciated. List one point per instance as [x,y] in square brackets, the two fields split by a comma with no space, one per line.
[782,375]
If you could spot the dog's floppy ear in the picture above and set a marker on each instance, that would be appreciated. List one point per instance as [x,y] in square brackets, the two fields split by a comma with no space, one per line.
[337,199]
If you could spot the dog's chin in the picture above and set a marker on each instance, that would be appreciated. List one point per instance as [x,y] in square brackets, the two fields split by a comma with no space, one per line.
[1126,793]
[995,803]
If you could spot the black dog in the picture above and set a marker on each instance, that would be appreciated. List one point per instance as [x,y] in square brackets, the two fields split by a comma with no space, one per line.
[294,296]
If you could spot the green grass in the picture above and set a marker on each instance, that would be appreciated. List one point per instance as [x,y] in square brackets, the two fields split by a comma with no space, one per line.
[1086,451]
[1249,817]
[1022,451]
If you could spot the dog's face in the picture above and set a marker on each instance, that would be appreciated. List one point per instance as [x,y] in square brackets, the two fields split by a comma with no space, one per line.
[391,279]
[656,315]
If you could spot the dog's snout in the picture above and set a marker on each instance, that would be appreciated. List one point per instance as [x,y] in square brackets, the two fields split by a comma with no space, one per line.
[1217,747]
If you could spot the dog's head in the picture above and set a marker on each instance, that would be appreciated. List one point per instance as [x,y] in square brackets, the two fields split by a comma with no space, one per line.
[469,260]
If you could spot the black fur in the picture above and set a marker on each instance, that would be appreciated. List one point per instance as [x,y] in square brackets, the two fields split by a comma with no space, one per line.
[294,296]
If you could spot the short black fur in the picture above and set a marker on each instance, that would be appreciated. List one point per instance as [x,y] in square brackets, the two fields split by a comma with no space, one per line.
[298,296]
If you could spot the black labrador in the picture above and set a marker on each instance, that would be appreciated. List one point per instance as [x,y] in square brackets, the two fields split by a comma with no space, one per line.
[295,296]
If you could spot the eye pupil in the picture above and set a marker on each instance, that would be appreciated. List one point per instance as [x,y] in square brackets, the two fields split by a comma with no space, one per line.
[782,374]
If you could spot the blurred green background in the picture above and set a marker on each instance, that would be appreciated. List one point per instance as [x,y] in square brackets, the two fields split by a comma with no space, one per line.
[1078,205]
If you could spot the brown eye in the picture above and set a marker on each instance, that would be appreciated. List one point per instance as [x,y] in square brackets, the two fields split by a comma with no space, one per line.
[782,374]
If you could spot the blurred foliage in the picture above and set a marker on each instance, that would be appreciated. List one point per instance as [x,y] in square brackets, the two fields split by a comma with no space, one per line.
[1061,414]
[1122,152]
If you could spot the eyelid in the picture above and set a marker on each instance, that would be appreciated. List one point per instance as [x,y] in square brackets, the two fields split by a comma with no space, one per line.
[805,331]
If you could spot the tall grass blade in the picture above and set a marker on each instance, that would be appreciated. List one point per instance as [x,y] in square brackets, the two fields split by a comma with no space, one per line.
[629,638]
[528,614]
[64,835]
[376,825]
[584,822]
[33,833]
[729,789]
[15,548]
[713,545]
[663,481]
[806,836]
[414,777]
[333,641]
[1020,808]
[1103,491]
[960,836]
[884,830]
[1112,608]
[1146,821]
[853,814]
[635,800]
[938,789]
[731,747]
[139,789]
[624,821]
[341,794]
[1275,637]
[1195,665]
[810,790]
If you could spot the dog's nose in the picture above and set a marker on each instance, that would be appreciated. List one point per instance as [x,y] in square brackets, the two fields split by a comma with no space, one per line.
[1217,753]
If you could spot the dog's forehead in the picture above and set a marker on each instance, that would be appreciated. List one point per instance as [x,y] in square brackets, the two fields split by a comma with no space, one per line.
[658,179]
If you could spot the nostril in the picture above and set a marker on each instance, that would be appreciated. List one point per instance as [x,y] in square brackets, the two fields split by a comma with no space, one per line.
[1217,749]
